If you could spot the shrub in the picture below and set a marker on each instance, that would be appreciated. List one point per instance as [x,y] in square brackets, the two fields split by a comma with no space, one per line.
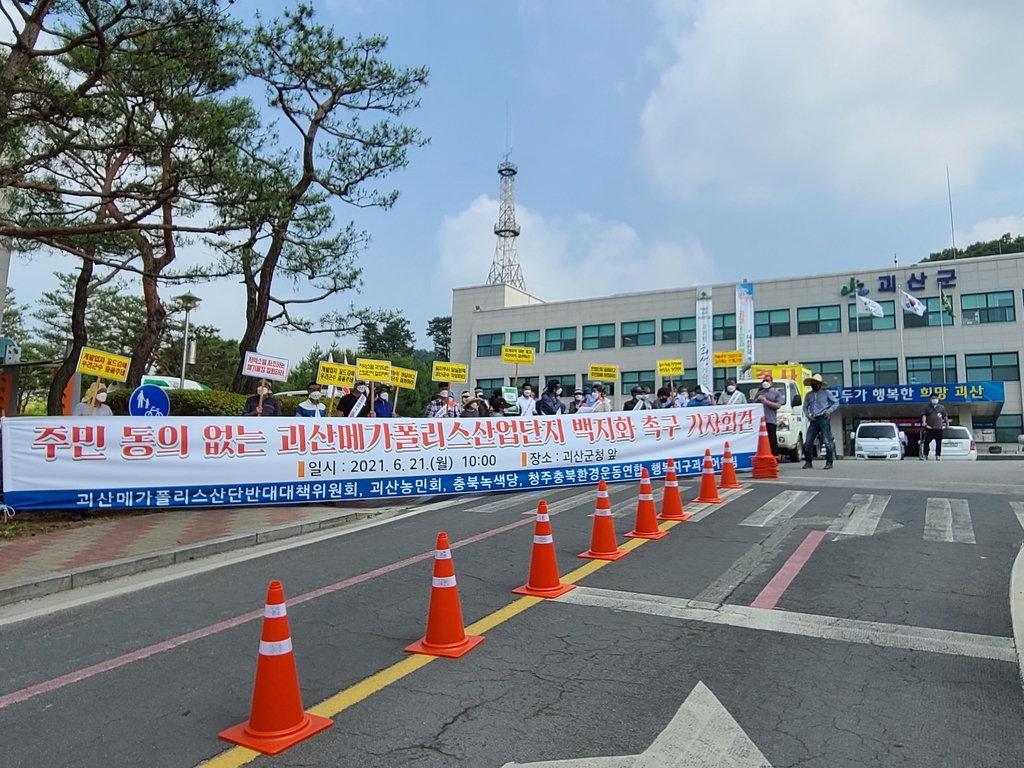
[196,402]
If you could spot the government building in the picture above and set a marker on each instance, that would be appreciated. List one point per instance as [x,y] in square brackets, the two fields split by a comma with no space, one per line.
[967,346]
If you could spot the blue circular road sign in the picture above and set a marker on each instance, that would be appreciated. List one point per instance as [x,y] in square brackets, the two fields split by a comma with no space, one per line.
[149,400]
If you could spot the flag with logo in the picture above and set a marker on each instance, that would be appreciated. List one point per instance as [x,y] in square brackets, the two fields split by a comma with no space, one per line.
[947,305]
[912,304]
[866,306]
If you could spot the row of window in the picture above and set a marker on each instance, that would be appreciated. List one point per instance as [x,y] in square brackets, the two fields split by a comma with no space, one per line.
[976,308]
[865,372]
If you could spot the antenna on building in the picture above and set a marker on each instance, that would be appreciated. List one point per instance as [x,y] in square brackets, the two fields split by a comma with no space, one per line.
[505,268]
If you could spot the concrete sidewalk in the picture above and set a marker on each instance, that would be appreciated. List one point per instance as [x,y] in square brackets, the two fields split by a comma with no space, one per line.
[108,548]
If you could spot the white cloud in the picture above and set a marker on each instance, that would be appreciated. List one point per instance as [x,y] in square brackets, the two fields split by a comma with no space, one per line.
[867,99]
[573,258]
[990,229]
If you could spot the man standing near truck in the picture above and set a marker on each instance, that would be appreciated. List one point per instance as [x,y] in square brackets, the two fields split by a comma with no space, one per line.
[819,405]
[771,399]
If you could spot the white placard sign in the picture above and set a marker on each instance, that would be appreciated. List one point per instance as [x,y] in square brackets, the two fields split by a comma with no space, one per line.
[201,462]
[265,367]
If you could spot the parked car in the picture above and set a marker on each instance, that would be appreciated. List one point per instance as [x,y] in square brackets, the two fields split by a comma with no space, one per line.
[958,444]
[879,440]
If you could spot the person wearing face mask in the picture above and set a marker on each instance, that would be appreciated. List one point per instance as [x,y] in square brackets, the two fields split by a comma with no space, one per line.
[663,398]
[732,394]
[598,403]
[484,407]
[698,399]
[382,407]
[935,419]
[682,398]
[637,401]
[550,404]
[527,405]
[474,406]
[443,406]
[270,406]
[360,389]
[498,403]
[94,403]
[819,405]
[311,407]
[578,401]
[771,398]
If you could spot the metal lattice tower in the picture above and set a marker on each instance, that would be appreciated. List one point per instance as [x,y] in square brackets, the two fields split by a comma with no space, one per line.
[505,267]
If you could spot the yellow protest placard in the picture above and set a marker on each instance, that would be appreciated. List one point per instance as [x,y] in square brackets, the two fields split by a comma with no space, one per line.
[517,355]
[403,377]
[670,368]
[728,359]
[103,365]
[604,372]
[373,370]
[336,375]
[451,372]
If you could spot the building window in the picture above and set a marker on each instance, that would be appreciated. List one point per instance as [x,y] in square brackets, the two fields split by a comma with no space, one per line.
[533,381]
[567,381]
[560,339]
[638,334]
[599,336]
[867,373]
[1008,428]
[489,385]
[773,322]
[489,344]
[931,317]
[997,307]
[929,370]
[632,379]
[724,327]
[812,320]
[720,375]
[679,330]
[525,339]
[1003,366]
[831,371]
[609,386]
[871,323]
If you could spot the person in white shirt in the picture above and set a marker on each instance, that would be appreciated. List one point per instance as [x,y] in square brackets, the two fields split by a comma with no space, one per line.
[599,403]
[311,407]
[731,395]
[94,402]
[527,405]
[682,397]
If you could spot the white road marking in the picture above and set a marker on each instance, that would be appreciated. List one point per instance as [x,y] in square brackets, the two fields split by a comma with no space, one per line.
[779,509]
[860,516]
[803,624]
[1018,510]
[507,501]
[698,512]
[577,499]
[948,520]
[702,734]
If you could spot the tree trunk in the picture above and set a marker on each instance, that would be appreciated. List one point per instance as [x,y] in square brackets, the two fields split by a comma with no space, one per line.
[156,318]
[79,338]
[21,57]
[257,309]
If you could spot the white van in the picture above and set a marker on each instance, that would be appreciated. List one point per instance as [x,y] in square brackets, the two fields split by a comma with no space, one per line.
[879,440]
[789,418]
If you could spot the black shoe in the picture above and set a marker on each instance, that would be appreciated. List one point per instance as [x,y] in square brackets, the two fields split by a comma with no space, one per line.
[829,465]
[808,465]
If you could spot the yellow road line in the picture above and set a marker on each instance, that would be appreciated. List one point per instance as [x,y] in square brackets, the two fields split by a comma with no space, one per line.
[239,756]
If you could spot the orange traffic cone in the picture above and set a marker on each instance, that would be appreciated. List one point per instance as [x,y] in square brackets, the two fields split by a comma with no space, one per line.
[646,526]
[602,539]
[728,479]
[766,466]
[671,504]
[543,581]
[708,491]
[446,635]
[276,720]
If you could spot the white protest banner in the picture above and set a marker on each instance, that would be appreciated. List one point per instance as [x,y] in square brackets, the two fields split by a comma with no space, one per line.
[745,321]
[705,335]
[265,367]
[202,462]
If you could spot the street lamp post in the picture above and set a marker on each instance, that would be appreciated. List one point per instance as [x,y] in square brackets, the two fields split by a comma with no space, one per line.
[189,302]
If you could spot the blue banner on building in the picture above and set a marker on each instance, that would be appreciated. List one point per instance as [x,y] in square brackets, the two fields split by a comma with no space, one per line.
[956,392]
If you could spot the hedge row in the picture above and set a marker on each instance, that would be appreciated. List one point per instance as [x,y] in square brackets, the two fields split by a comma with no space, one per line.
[200,402]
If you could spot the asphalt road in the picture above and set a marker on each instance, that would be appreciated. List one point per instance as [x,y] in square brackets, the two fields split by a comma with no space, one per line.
[852,618]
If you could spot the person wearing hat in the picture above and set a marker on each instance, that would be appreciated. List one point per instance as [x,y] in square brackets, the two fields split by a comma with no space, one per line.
[732,394]
[819,405]
[382,408]
[599,404]
[443,406]
[484,407]
[498,402]
[269,407]
[638,400]
[550,403]
[771,399]
[361,390]
[94,403]
[578,400]
[474,406]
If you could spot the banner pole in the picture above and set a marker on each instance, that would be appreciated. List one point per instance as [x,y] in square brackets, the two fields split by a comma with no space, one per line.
[394,405]
[263,388]
[99,380]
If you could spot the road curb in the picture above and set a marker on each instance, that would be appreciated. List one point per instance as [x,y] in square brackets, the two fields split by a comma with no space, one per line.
[51,583]
[1017,608]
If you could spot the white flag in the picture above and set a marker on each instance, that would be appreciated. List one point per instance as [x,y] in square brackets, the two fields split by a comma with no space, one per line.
[869,307]
[912,304]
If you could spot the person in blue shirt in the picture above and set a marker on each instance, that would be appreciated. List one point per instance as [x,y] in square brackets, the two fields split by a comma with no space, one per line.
[311,407]
[698,399]
[381,407]
[819,405]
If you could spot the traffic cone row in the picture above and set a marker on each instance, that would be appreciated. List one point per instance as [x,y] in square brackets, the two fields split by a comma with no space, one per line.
[728,480]
[766,465]
[277,720]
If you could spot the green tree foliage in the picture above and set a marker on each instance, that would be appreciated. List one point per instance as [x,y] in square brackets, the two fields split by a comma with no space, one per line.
[215,357]
[306,369]
[386,338]
[33,380]
[1004,244]
[439,329]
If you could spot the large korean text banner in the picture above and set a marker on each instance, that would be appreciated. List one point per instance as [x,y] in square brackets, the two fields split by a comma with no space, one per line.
[51,463]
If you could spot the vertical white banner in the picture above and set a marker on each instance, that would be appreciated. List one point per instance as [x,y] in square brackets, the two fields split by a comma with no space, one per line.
[705,355]
[745,321]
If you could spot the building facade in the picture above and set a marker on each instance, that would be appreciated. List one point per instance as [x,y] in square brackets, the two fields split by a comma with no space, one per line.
[974,316]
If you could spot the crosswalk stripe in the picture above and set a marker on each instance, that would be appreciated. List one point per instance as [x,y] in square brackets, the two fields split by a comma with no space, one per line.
[569,502]
[502,503]
[860,516]
[1018,510]
[779,509]
[948,520]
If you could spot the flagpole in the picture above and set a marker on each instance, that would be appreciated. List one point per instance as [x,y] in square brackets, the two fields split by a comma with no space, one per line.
[942,330]
[856,308]
[903,321]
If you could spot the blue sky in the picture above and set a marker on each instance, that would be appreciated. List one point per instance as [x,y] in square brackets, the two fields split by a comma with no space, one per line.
[671,143]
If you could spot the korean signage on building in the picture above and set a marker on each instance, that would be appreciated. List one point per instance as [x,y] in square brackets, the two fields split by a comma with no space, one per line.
[745,322]
[959,392]
[705,336]
[208,462]
[918,282]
